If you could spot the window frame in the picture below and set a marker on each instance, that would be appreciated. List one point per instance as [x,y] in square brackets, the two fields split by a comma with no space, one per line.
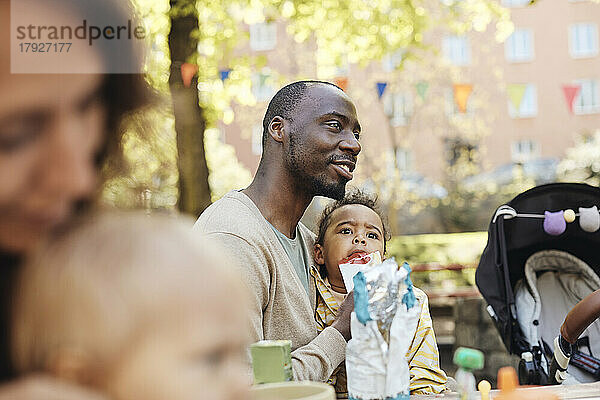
[263,36]
[574,33]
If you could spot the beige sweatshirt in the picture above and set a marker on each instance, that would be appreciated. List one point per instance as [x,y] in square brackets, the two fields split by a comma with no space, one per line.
[280,308]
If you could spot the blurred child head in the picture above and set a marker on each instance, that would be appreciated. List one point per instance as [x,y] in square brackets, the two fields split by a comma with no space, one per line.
[349,228]
[137,307]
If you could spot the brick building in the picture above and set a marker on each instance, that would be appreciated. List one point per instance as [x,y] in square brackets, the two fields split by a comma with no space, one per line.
[516,112]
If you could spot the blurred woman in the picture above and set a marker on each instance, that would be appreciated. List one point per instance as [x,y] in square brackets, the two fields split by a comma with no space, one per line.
[56,131]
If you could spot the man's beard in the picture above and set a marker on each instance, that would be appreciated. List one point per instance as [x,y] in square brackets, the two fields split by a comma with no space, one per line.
[314,185]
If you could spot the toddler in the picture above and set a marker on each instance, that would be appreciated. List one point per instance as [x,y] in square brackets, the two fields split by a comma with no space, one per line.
[351,228]
[135,307]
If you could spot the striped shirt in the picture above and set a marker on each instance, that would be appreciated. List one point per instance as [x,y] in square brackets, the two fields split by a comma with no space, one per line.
[426,376]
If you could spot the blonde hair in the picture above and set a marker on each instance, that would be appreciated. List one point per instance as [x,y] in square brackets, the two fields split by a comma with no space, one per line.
[95,285]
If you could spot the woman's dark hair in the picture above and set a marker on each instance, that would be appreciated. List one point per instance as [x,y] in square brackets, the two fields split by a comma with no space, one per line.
[122,93]
[353,196]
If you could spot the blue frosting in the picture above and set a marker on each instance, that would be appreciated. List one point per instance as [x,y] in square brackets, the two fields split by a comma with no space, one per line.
[409,298]
[361,299]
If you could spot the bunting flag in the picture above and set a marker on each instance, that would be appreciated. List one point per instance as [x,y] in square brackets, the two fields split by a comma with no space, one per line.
[188,71]
[516,92]
[422,87]
[571,91]
[341,82]
[462,92]
[263,78]
[381,88]
[224,74]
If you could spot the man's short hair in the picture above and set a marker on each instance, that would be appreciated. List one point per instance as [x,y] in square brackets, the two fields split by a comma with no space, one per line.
[285,101]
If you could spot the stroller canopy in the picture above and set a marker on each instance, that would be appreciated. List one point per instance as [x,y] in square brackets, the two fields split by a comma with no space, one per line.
[513,239]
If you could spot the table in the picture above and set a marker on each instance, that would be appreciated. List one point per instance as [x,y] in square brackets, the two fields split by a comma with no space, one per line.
[588,391]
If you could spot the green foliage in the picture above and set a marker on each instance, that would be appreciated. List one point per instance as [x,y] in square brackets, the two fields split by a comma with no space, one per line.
[353,31]
[441,249]
[226,173]
[582,161]
[149,176]
[450,248]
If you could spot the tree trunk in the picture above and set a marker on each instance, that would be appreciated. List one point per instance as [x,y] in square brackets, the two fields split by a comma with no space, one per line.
[194,190]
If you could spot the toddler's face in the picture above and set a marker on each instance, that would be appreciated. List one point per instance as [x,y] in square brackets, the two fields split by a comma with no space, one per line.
[354,230]
[196,354]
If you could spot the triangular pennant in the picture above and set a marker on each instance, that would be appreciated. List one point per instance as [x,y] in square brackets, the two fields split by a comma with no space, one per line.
[188,71]
[462,92]
[381,88]
[422,87]
[263,78]
[516,92]
[224,74]
[341,82]
[571,91]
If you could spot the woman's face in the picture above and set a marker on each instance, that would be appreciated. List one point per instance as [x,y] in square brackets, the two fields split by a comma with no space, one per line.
[51,128]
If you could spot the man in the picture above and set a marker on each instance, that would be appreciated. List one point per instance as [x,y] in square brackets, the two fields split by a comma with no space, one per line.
[310,145]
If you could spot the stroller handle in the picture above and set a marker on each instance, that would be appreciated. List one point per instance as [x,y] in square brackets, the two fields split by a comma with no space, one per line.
[580,317]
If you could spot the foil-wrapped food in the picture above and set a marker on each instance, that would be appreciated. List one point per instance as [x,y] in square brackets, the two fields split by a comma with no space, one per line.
[383,325]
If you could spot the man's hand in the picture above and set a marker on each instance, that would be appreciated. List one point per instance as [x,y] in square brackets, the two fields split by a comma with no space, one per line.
[42,387]
[342,322]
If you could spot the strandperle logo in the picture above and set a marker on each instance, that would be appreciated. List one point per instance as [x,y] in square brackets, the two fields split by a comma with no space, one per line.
[84,31]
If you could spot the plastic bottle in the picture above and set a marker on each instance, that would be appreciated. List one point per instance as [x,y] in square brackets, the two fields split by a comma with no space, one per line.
[484,388]
[509,388]
[467,360]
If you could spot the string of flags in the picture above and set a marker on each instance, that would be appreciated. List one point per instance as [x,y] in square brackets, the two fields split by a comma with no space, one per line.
[555,223]
[462,91]
[421,88]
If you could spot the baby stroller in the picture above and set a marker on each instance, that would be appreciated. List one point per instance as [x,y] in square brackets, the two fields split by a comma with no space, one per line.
[539,262]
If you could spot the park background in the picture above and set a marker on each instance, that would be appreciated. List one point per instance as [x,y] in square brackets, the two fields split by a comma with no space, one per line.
[463,103]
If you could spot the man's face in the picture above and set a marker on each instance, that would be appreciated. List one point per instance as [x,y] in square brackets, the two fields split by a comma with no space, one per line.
[323,141]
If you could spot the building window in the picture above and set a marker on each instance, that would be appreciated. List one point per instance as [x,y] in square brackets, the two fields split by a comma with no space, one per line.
[524,150]
[401,163]
[257,134]
[519,46]
[263,36]
[391,61]
[398,107]
[451,107]
[262,88]
[528,106]
[587,100]
[404,159]
[457,50]
[583,40]
[515,3]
